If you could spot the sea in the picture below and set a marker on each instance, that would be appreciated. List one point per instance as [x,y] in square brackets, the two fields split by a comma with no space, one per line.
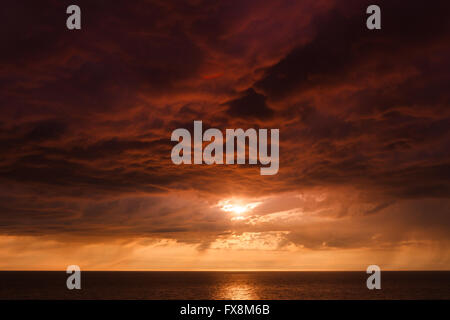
[228,285]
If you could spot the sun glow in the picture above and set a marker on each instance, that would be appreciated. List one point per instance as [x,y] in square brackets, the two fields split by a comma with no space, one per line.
[237,207]
[234,208]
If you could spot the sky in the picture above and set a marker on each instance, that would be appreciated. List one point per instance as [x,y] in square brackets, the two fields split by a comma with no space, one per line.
[86,118]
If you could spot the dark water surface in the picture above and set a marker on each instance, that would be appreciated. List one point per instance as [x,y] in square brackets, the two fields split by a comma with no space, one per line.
[225,285]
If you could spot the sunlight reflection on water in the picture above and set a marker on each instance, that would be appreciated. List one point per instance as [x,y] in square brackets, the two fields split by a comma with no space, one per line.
[236,286]
[236,291]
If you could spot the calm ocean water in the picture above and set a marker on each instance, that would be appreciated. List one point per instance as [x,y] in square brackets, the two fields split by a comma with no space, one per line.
[225,285]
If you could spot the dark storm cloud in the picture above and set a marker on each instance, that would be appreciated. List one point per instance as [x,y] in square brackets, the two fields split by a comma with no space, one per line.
[250,105]
[86,116]
[45,130]
[371,105]
[342,44]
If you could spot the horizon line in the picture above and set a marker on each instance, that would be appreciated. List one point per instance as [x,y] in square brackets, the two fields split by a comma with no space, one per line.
[224,270]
